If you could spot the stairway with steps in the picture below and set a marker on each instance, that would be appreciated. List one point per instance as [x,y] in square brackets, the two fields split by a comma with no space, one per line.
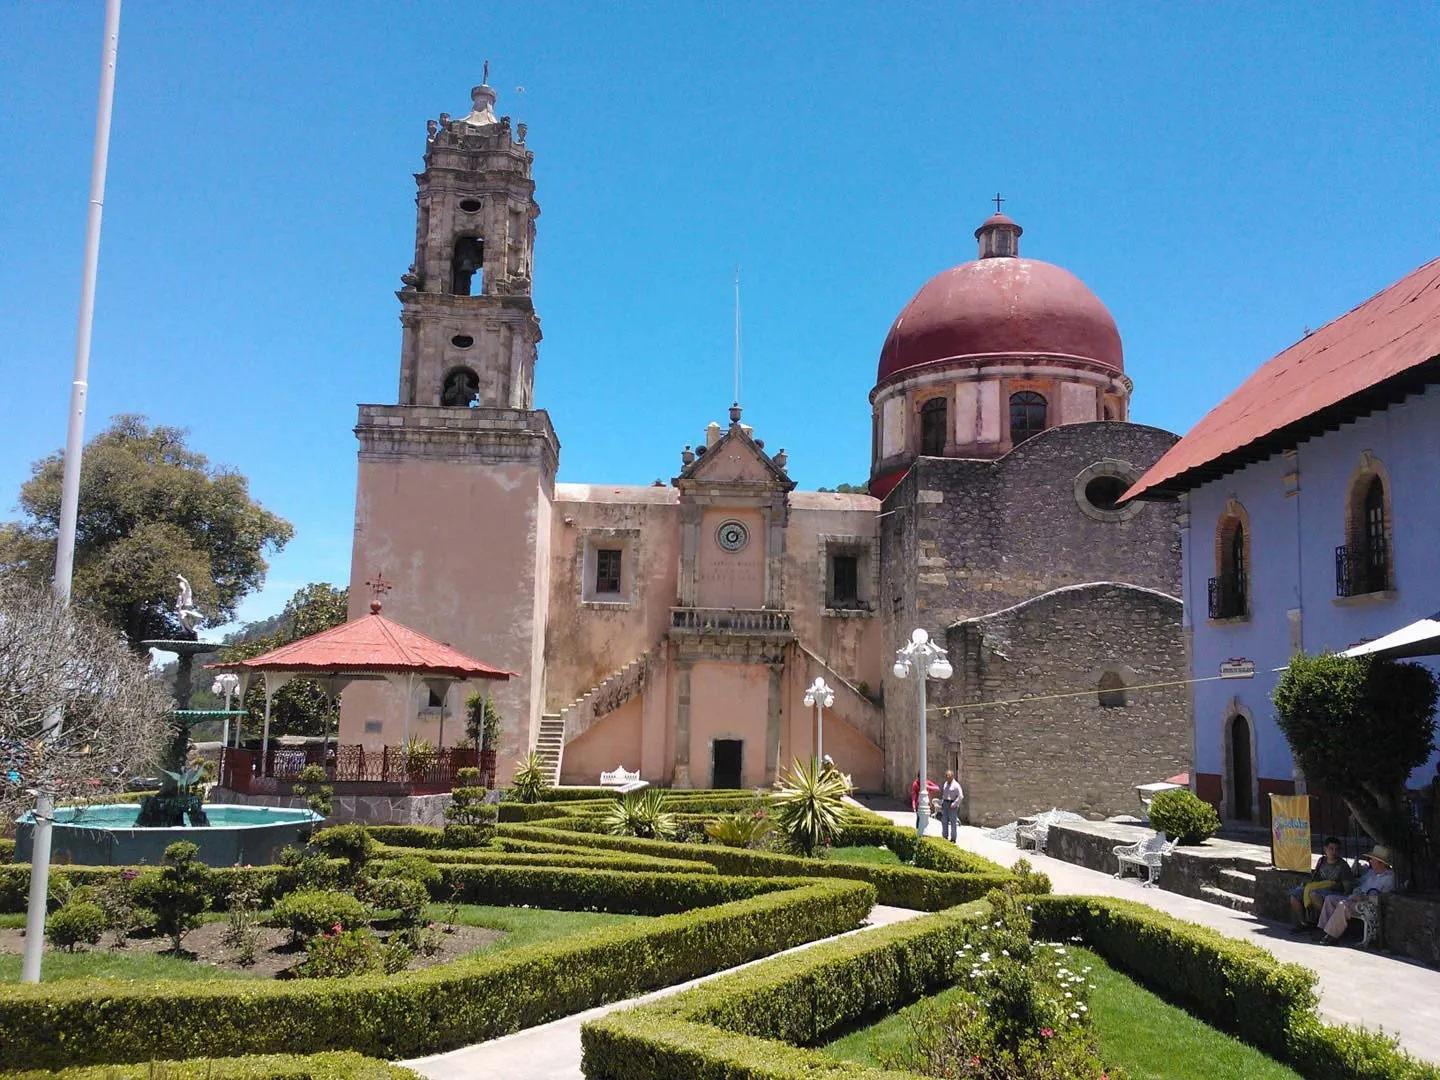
[550,745]
[1236,889]
[605,697]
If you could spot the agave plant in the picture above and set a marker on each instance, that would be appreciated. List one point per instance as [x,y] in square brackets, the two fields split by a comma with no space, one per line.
[742,829]
[809,803]
[642,813]
[530,778]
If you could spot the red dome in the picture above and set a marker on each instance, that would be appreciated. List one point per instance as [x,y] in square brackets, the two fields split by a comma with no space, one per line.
[1004,306]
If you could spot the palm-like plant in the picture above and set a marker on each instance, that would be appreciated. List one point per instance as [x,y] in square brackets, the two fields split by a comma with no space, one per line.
[741,829]
[642,814]
[530,778]
[809,804]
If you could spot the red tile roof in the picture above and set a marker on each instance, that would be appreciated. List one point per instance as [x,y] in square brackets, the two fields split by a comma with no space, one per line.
[373,644]
[1373,356]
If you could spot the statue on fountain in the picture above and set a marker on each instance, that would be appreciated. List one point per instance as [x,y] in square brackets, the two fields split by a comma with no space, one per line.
[176,800]
[186,612]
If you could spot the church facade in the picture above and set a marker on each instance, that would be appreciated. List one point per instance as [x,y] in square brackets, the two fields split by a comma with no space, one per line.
[673,629]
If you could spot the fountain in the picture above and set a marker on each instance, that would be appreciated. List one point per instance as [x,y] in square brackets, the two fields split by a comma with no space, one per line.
[124,834]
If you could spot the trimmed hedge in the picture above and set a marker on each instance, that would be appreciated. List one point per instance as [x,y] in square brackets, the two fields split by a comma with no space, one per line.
[752,1025]
[337,1065]
[625,892]
[7,850]
[600,860]
[428,836]
[899,886]
[435,1009]
[1232,985]
[270,882]
[514,811]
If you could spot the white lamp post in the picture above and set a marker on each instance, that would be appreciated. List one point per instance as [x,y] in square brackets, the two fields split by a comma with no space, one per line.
[226,686]
[820,697]
[927,660]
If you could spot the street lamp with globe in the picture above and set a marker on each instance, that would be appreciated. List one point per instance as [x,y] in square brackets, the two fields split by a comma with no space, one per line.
[819,697]
[925,659]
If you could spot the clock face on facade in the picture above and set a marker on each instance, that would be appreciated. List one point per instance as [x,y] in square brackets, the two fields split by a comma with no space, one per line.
[732,536]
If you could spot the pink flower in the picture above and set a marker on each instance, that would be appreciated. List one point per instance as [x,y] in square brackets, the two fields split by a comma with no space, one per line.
[336,928]
[1047,1032]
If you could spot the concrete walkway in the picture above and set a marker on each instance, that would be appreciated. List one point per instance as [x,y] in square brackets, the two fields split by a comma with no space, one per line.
[1357,986]
[552,1051]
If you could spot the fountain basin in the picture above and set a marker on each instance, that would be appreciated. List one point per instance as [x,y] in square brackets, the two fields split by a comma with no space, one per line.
[107,835]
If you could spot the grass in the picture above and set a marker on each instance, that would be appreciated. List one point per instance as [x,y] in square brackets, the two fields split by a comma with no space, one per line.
[877,856]
[527,926]
[1136,1030]
[146,967]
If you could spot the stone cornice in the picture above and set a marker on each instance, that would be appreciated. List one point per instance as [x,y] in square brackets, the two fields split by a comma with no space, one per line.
[999,366]
[486,436]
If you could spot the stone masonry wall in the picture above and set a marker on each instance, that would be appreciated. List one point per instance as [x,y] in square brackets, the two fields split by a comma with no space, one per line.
[1071,752]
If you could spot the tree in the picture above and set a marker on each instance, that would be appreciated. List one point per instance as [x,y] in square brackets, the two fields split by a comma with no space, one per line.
[1358,728]
[300,706]
[150,508]
[114,715]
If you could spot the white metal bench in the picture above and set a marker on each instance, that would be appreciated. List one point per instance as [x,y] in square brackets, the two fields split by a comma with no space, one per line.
[1033,835]
[1368,911]
[622,780]
[1145,854]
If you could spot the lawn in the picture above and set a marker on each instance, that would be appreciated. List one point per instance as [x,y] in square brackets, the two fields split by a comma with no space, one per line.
[1148,1038]
[876,856]
[522,926]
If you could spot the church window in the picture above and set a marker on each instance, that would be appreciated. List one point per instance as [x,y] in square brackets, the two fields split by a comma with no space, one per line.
[1363,565]
[845,590]
[1230,587]
[1111,691]
[1027,415]
[461,389]
[607,570]
[470,205]
[1103,492]
[465,268]
[462,341]
[932,427]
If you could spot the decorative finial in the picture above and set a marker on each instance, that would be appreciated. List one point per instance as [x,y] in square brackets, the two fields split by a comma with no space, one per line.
[520,130]
[378,588]
[485,73]
[735,412]
[997,201]
[431,127]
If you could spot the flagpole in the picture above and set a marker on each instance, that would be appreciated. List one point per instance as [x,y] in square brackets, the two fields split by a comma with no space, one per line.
[70,484]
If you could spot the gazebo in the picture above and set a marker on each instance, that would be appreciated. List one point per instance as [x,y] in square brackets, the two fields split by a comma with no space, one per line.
[370,648]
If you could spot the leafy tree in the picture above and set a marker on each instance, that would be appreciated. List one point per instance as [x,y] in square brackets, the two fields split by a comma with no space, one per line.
[482,721]
[1358,727]
[300,706]
[150,507]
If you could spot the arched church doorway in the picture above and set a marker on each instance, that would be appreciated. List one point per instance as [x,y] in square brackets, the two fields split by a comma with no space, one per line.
[1242,770]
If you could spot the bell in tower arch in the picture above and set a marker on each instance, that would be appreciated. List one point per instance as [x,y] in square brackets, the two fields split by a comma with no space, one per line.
[465,275]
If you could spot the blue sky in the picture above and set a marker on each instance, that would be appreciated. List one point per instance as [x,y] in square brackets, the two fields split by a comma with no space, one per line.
[1222,175]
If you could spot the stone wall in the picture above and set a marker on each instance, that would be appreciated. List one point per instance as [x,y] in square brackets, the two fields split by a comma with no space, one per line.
[364,809]
[1070,752]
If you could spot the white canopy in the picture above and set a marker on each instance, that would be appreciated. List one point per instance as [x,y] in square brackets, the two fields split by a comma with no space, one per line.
[1421,638]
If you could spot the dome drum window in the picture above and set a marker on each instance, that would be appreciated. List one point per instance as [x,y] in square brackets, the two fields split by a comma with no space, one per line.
[470,206]
[1027,416]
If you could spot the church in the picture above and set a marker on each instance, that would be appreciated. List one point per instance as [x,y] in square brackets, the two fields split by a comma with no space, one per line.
[673,629]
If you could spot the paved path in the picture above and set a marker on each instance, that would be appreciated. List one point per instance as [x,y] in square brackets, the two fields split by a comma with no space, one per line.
[1357,986]
[552,1051]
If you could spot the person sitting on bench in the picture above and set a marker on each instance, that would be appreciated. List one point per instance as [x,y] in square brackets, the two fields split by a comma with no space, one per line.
[1332,874]
[1335,915]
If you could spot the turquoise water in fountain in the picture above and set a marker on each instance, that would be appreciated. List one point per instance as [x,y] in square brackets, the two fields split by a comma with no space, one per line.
[106,835]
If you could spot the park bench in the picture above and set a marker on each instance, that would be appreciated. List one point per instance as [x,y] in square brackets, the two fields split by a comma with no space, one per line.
[623,781]
[1368,911]
[1032,834]
[1146,854]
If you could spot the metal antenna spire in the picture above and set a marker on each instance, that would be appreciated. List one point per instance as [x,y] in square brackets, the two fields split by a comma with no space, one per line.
[737,335]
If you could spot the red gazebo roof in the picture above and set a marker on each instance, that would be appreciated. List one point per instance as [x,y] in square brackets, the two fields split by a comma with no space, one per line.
[373,645]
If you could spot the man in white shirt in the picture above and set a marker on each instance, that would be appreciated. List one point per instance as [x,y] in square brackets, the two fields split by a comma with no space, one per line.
[1335,915]
[950,796]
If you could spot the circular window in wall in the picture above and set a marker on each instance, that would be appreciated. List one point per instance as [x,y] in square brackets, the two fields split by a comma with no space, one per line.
[462,341]
[470,205]
[1099,487]
[732,535]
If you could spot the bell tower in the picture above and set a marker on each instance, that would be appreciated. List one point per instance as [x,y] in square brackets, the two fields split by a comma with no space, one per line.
[469,325]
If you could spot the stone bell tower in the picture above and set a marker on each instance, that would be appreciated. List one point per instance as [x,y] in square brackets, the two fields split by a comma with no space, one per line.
[469,323]
[456,480]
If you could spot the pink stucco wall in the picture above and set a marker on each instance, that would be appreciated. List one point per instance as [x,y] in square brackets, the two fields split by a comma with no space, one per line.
[731,579]
[613,742]
[728,701]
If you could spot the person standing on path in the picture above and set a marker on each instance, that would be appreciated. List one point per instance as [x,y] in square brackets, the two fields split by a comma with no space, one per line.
[950,796]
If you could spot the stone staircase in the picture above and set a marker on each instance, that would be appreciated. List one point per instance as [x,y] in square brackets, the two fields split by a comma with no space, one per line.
[550,745]
[1235,889]
[604,697]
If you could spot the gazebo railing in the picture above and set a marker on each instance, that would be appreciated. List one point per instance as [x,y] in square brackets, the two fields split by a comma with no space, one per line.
[424,772]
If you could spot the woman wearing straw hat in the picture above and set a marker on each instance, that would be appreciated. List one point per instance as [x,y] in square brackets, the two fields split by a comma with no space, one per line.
[1335,915]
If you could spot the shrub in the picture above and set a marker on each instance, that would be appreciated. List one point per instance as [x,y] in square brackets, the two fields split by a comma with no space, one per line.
[423,836]
[415,868]
[1030,881]
[530,778]
[466,799]
[311,912]
[242,925]
[1184,816]
[79,921]
[340,954]
[349,842]
[449,1005]
[404,895]
[319,795]
[7,850]
[178,892]
[122,914]
[740,829]
[810,805]
[641,813]
[335,1065]
[306,868]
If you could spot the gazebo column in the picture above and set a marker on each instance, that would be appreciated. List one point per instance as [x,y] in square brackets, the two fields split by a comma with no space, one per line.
[274,680]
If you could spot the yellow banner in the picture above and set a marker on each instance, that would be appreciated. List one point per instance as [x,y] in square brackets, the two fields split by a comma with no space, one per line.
[1290,832]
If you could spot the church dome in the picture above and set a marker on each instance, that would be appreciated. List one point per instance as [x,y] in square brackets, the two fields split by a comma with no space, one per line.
[1001,304]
